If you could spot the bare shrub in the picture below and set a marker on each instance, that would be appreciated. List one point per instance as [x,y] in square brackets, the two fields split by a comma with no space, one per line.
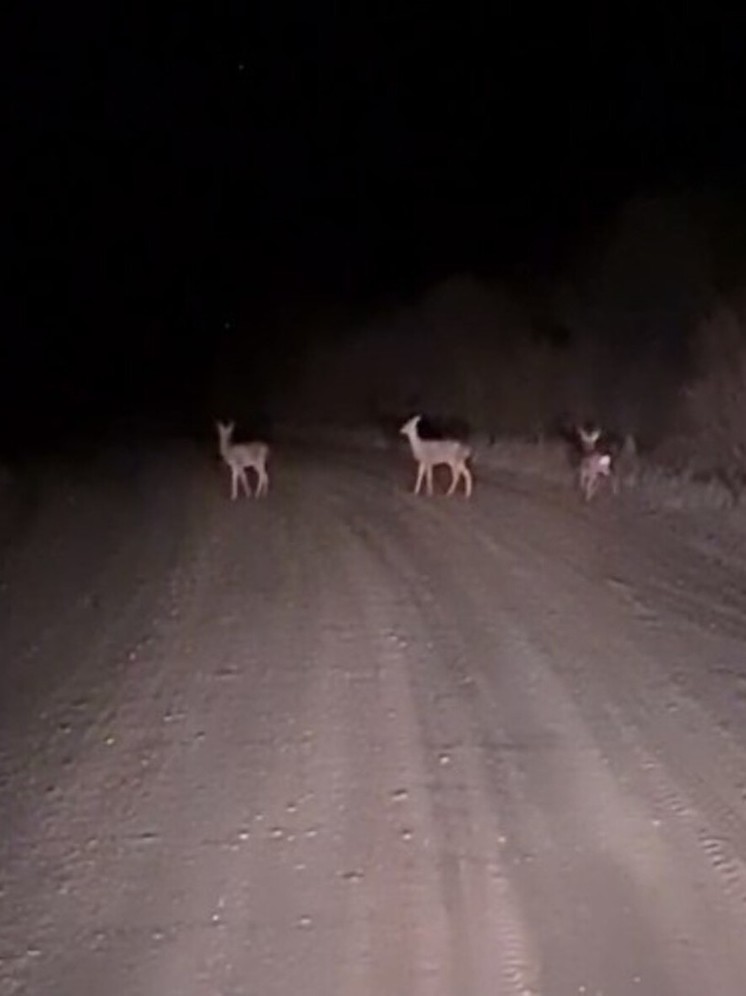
[464,350]
[712,437]
[632,299]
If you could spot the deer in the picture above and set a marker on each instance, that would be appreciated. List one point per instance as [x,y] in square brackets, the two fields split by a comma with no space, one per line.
[432,453]
[595,462]
[593,468]
[240,457]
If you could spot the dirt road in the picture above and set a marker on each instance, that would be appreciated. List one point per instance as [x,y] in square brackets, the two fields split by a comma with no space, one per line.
[346,741]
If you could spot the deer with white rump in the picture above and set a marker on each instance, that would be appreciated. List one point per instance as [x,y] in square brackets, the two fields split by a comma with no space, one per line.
[432,453]
[240,457]
[595,462]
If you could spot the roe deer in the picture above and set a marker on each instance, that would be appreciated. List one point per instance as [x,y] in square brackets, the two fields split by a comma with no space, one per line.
[598,452]
[431,453]
[240,457]
[594,467]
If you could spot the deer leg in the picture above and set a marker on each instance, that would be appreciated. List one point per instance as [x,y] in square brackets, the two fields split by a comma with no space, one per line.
[455,478]
[420,478]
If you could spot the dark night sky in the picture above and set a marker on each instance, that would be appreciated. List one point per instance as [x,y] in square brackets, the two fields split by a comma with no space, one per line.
[173,170]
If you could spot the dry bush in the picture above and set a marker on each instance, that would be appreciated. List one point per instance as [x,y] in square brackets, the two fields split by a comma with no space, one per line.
[633,297]
[464,350]
[712,436]
[715,398]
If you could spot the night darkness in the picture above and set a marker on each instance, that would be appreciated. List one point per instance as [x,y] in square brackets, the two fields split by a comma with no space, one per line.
[180,180]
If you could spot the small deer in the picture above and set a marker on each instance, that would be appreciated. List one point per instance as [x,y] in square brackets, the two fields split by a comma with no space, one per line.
[240,457]
[432,453]
[595,462]
[593,468]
